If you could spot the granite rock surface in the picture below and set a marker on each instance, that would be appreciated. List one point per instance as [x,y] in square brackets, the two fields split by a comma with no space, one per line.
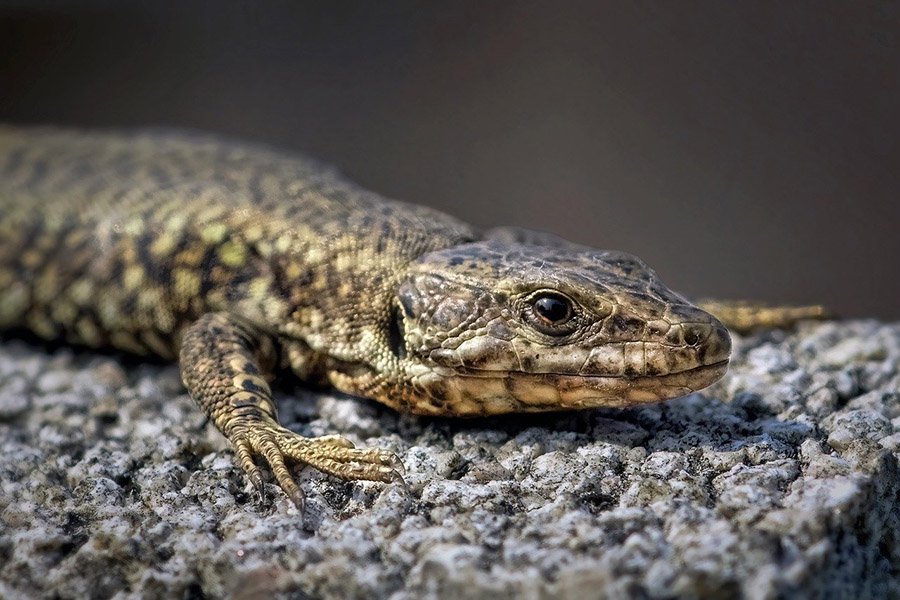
[781,480]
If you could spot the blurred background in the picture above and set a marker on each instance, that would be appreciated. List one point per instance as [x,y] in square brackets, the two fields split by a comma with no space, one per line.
[747,150]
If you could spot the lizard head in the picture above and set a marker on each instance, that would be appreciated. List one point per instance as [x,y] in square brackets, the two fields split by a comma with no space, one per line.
[492,327]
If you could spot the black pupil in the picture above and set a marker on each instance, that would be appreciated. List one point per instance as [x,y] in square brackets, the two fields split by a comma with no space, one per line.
[552,309]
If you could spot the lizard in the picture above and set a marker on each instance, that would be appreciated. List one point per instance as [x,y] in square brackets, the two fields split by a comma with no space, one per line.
[242,262]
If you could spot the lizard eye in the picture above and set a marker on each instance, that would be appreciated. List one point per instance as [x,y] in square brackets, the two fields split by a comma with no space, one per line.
[553,309]
[550,311]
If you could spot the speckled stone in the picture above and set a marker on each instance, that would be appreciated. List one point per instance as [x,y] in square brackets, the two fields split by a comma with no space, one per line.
[781,480]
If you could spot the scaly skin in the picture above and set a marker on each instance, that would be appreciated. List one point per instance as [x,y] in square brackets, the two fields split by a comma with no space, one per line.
[242,262]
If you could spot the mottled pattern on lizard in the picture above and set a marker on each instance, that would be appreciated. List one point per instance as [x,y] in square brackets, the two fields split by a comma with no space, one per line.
[242,262]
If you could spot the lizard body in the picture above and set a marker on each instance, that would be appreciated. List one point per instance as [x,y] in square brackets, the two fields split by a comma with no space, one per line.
[242,262]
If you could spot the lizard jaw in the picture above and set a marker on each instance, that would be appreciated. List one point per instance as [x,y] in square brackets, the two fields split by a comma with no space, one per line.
[484,393]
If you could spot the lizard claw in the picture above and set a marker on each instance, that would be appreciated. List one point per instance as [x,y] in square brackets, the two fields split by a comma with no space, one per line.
[297,498]
[330,454]
[397,465]
[397,477]
[261,496]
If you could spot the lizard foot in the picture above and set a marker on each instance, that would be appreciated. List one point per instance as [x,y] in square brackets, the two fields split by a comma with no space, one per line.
[330,454]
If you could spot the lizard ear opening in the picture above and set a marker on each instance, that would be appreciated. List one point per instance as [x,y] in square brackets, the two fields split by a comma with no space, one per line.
[396,333]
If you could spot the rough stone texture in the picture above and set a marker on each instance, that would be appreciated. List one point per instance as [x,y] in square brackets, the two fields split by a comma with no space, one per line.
[780,481]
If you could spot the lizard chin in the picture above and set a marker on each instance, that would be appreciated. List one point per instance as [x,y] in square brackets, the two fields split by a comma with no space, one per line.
[484,393]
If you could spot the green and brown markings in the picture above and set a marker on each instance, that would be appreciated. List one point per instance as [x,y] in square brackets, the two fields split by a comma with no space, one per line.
[242,262]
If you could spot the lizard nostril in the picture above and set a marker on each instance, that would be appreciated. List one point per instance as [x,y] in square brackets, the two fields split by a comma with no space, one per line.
[693,335]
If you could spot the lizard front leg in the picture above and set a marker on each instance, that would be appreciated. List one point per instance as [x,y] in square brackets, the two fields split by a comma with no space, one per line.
[224,365]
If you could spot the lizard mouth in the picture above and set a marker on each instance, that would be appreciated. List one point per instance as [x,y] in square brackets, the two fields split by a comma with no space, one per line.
[478,393]
[584,391]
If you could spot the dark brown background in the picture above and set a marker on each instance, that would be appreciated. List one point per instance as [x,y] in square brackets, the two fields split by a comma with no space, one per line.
[743,149]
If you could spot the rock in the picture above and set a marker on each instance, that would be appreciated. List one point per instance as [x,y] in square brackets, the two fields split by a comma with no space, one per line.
[781,480]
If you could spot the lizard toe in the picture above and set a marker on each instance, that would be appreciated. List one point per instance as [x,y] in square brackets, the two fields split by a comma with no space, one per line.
[331,454]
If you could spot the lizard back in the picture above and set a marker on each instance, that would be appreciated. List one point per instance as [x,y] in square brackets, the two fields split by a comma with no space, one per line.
[122,239]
